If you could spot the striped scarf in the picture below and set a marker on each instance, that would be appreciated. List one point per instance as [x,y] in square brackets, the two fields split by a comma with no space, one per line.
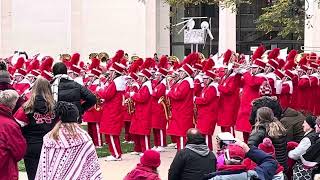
[55,84]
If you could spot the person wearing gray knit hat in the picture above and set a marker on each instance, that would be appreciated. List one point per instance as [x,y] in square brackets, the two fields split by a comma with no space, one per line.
[4,74]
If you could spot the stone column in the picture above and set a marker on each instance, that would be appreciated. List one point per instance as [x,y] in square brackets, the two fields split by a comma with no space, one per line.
[157,33]
[227,29]
[163,31]
[151,27]
[312,27]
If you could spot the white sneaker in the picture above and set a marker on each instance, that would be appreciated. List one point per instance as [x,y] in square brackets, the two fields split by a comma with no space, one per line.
[160,149]
[141,154]
[154,148]
[134,153]
[172,145]
[112,158]
[124,142]
[130,142]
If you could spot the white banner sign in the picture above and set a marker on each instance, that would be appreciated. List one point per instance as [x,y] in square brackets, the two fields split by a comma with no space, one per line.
[194,36]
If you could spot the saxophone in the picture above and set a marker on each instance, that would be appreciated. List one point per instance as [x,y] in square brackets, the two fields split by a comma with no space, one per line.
[129,103]
[130,106]
[165,102]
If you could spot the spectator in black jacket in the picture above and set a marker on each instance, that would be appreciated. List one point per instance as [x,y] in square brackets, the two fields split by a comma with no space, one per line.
[65,89]
[267,125]
[194,161]
[37,118]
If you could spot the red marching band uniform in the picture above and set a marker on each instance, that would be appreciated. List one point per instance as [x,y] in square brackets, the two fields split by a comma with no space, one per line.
[207,105]
[181,97]
[141,122]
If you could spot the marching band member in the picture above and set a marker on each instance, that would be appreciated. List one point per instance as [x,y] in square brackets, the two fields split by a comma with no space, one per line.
[181,97]
[141,122]
[229,89]
[251,86]
[287,90]
[128,106]
[207,104]
[303,85]
[93,115]
[112,116]
[159,120]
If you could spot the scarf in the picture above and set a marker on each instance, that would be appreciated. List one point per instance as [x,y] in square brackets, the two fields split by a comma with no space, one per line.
[55,84]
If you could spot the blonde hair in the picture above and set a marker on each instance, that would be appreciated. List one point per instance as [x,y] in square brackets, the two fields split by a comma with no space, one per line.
[71,129]
[41,87]
[274,127]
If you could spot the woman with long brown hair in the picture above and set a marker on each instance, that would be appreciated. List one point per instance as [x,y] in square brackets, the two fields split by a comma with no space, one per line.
[267,125]
[37,118]
[68,151]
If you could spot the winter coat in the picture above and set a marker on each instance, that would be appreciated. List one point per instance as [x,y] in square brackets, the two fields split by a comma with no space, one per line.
[192,163]
[251,86]
[280,144]
[141,122]
[207,105]
[21,100]
[181,98]
[229,100]
[265,170]
[142,172]
[159,120]
[292,121]
[12,145]
[112,116]
[38,123]
[71,91]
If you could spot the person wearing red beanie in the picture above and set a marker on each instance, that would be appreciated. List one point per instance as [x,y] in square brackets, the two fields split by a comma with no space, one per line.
[147,168]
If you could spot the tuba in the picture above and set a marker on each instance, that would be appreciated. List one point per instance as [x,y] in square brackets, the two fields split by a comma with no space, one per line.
[65,57]
[93,55]
[134,58]
[103,57]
